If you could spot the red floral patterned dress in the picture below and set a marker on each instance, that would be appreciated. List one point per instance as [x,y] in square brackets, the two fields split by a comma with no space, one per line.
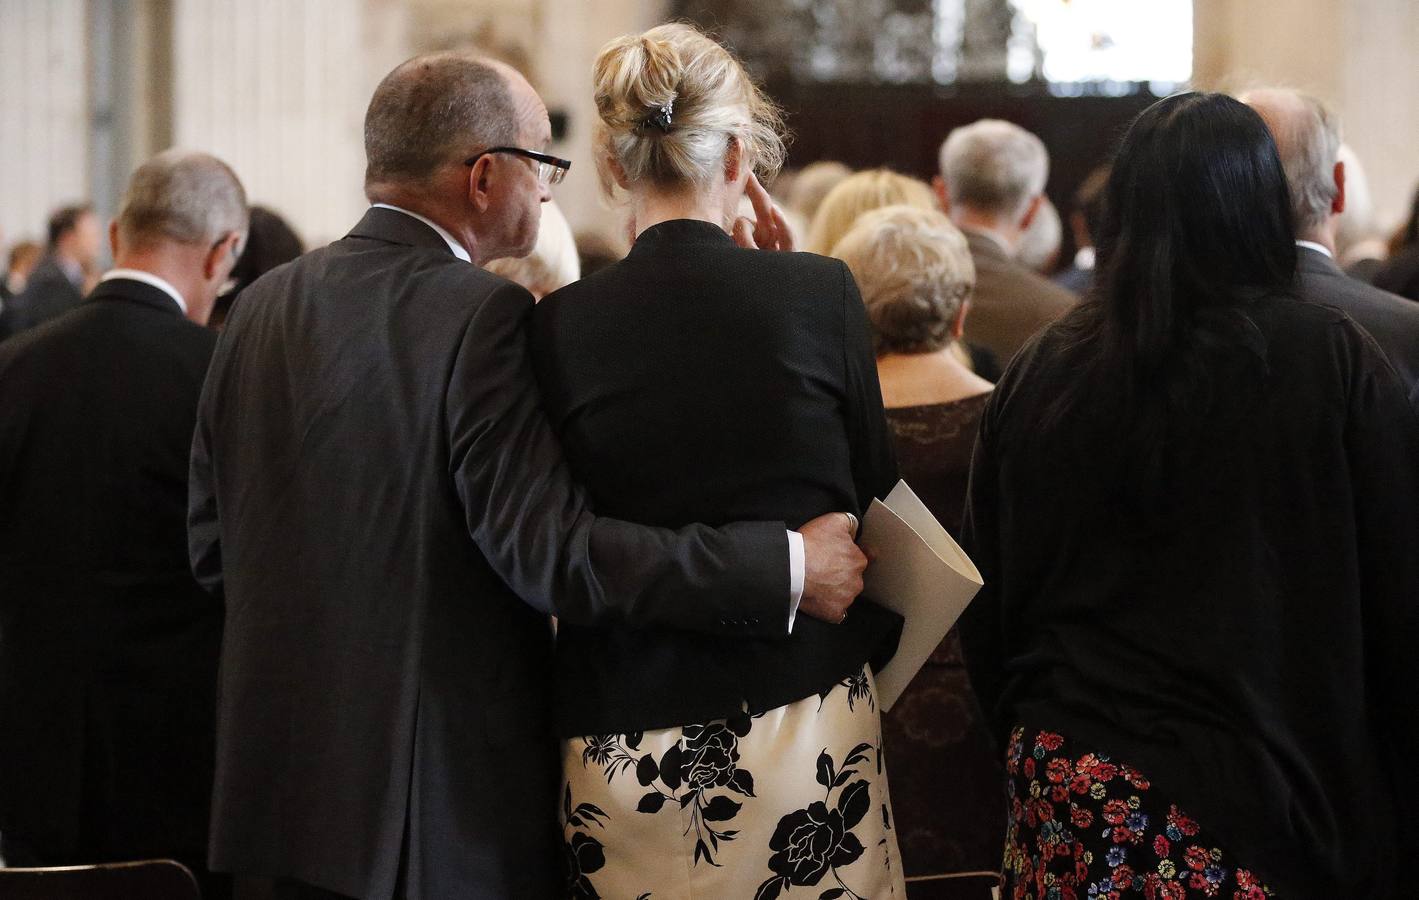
[1085,827]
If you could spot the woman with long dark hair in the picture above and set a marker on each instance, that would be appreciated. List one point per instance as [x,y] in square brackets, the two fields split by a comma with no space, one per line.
[1195,503]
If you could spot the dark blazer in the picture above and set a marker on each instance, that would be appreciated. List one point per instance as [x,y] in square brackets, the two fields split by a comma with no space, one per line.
[1391,320]
[48,293]
[694,381]
[1246,642]
[1010,303]
[108,647]
[375,484]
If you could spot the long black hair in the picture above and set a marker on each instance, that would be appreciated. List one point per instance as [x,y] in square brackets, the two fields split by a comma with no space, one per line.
[270,241]
[1196,225]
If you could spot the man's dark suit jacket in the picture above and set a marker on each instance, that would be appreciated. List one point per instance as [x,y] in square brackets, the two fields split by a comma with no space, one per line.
[48,293]
[374,479]
[108,647]
[1391,320]
[1010,303]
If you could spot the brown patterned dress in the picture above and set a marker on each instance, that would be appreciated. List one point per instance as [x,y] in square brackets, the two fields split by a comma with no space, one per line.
[948,787]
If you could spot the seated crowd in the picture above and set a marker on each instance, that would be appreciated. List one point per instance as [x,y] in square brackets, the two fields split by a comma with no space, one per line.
[1185,461]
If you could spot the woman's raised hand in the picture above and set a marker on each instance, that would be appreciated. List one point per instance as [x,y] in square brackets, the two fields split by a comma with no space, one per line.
[769,230]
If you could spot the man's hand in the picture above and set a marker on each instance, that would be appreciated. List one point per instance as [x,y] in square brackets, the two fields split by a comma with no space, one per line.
[833,566]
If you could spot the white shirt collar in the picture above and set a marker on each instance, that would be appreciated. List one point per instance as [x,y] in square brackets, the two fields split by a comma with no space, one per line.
[453,245]
[1319,248]
[148,278]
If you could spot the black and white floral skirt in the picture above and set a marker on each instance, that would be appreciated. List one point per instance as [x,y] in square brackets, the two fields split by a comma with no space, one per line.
[791,802]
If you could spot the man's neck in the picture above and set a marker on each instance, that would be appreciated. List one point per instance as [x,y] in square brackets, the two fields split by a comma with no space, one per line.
[436,212]
[988,225]
[165,264]
[1325,236]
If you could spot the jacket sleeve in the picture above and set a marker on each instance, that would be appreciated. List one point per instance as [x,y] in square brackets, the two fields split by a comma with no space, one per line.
[533,524]
[1382,445]
[874,460]
[204,536]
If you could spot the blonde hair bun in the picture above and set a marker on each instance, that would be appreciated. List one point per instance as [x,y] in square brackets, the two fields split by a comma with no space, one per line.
[697,98]
[640,74]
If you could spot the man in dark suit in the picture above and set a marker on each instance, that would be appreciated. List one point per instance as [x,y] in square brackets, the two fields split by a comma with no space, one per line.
[108,646]
[991,184]
[57,283]
[1308,138]
[375,487]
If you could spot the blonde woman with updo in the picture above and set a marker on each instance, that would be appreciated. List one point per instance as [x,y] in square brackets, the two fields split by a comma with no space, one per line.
[861,193]
[711,377]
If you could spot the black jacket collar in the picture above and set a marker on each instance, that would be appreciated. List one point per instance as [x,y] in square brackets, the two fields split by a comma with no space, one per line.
[135,292]
[395,227]
[678,232]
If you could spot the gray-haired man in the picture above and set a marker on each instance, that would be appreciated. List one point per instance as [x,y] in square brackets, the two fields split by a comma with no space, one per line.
[991,184]
[108,647]
[1307,136]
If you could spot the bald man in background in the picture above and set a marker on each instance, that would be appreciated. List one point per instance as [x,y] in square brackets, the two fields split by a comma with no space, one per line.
[1307,135]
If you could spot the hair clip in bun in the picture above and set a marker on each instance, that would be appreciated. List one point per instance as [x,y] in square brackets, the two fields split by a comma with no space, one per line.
[661,118]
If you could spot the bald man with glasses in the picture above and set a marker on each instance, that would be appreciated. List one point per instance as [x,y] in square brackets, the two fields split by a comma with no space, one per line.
[376,490]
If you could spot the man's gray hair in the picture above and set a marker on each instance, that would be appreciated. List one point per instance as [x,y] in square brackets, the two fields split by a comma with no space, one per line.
[433,110]
[183,195]
[1307,136]
[994,166]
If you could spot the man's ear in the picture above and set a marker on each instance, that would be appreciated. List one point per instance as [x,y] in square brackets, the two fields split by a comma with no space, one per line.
[113,238]
[938,184]
[212,264]
[480,177]
[1337,206]
[1031,211]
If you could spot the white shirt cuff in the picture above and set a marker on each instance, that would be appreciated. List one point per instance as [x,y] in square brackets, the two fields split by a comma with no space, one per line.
[796,574]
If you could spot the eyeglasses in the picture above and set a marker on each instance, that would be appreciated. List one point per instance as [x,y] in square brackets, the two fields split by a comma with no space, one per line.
[550,169]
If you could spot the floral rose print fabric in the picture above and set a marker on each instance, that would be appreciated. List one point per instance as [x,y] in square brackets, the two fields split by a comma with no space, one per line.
[789,803]
[1086,827]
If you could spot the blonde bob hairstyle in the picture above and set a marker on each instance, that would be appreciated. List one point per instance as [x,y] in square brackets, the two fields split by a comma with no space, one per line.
[711,101]
[914,271]
[860,193]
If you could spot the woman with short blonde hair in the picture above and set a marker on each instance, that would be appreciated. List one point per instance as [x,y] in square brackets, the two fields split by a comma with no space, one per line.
[700,381]
[915,272]
[859,193]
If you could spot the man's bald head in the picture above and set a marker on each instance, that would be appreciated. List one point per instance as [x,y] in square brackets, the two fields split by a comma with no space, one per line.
[435,110]
[1307,136]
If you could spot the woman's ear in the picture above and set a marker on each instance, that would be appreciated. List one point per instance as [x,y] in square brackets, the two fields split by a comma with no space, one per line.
[734,162]
[958,324]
